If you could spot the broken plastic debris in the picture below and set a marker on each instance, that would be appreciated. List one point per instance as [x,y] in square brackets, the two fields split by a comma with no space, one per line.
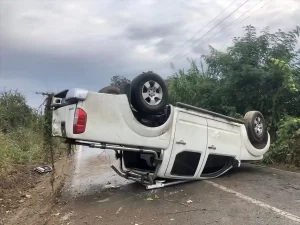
[149,199]
[172,219]
[189,201]
[119,210]
[109,186]
[26,196]
[103,200]
[67,216]
[43,169]
[173,192]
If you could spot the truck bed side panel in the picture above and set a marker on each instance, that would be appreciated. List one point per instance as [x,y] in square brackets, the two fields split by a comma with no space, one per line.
[110,120]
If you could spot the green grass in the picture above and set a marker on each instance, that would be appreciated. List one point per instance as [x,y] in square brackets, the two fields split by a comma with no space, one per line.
[24,133]
[25,147]
[21,147]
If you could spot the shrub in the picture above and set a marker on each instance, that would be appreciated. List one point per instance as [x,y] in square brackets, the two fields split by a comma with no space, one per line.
[286,148]
[21,133]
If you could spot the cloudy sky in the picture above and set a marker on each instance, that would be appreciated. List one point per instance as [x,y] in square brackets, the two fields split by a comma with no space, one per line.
[49,45]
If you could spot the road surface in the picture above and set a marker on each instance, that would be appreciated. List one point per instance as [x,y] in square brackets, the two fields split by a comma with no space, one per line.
[247,195]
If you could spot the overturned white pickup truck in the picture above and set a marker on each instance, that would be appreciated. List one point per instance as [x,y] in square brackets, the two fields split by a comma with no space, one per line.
[158,144]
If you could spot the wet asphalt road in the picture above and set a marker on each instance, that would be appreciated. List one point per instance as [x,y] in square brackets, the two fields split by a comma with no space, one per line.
[247,195]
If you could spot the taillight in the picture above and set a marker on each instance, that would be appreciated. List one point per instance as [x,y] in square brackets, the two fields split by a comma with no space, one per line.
[79,121]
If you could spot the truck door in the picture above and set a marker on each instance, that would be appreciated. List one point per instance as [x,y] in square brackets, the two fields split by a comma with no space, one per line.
[189,146]
[223,138]
[223,143]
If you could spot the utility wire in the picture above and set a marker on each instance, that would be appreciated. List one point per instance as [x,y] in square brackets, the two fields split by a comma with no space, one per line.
[251,14]
[217,24]
[172,54]
[237,19]
[232,24]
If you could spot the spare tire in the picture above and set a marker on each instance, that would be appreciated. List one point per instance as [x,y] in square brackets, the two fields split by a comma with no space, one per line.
[256,126]
[149,93]
[126,89]
[110,90]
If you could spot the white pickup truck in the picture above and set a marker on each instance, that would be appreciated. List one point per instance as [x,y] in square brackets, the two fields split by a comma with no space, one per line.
[169,144]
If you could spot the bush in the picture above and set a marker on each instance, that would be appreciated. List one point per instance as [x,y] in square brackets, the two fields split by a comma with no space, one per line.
[257,72]
[22,147]
[15,113]
[22,133]
[286,148]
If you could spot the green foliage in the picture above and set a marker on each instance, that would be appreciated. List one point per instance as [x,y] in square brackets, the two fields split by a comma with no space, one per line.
[15,113]
[288,76]
[48,139]
[23,132]
[258,72]
[117,81]
[20,147]
[286,148]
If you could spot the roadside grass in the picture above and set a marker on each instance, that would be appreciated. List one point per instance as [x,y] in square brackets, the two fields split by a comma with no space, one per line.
[22,133]
[20,147]
[25,147]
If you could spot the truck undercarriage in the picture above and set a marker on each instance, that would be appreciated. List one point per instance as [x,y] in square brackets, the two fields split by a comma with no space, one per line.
[142,165]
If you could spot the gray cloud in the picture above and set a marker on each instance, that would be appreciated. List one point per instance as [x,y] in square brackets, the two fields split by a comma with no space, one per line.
[148,31]
[46,46]
[166,45]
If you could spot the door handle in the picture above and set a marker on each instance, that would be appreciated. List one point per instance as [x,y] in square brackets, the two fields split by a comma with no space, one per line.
[212,147]
[181,142]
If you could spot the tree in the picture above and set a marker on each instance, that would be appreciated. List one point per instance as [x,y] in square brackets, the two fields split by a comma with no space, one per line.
[255,73]
[117,81]
[14,112]
[252,76]
[258,72]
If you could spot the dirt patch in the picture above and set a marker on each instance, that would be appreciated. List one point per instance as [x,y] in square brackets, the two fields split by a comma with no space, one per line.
[28,197]
[286,167]
[13,187]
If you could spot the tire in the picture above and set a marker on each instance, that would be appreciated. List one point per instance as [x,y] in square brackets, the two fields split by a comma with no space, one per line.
[149,93]
[110,90]
[126,89]
[256,126]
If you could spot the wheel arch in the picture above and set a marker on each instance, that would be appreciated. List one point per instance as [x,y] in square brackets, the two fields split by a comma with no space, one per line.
[256,150]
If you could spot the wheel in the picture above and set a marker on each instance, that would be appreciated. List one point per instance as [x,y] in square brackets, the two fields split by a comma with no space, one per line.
[256,126]
[110,90]
[149,93]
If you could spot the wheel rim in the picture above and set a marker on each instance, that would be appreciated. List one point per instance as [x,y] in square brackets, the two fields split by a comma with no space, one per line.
[152,92]
[258,126]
